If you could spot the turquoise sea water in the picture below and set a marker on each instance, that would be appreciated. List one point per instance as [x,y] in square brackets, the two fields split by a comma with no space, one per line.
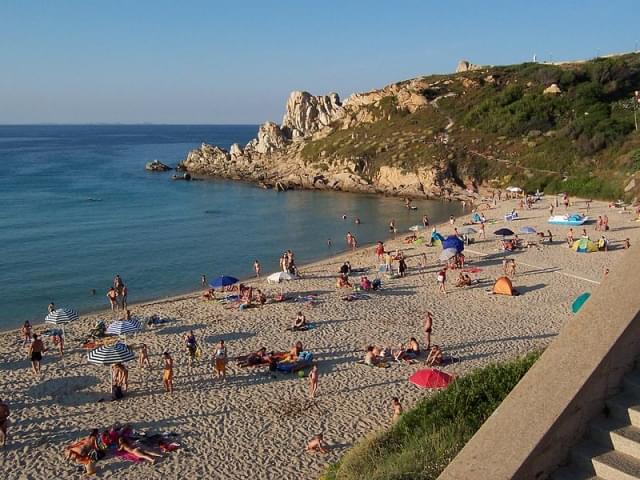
[78,207]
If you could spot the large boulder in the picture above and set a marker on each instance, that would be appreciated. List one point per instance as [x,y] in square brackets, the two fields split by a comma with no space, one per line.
[466,66]
[306,114]
[157,166]
[270,138]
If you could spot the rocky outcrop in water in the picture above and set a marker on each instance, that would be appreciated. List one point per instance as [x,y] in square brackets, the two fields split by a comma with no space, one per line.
[157,166]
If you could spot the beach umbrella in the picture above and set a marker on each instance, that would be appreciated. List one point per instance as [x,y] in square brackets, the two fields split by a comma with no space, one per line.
[61,316]
[430,378]
[503,232]
[454,242]
[579,301]
[223,281]
[123,327]
[584,245]
[448,253]
[528,230]
[111,354]
[467,230]
[280,277]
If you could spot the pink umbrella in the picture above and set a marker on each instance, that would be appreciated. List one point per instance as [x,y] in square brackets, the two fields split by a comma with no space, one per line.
[430,378]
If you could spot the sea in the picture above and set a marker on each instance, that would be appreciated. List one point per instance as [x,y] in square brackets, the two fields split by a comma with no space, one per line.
[78,207]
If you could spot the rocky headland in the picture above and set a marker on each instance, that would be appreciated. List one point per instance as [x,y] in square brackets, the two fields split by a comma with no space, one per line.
[446,135]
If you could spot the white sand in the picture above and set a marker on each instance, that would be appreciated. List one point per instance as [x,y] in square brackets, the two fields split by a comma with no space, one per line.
[254,426]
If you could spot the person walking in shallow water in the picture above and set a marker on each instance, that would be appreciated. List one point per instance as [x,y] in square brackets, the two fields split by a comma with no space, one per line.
[257,268]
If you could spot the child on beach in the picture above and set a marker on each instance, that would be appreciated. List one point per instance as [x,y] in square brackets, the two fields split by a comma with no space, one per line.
[220,359]
[442,279]
[167,372]
[396,407]
[313,381]
[316,444]
[26,333]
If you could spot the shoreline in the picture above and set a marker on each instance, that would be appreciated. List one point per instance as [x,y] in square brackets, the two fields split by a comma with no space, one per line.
[220,419]
[191,294]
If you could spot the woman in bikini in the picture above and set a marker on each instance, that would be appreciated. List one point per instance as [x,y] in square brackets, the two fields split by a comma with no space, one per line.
[26,333]
[123,446]
[220,359]
[167,372]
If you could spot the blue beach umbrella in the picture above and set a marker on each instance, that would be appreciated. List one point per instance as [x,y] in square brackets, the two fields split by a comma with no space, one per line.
[453,242]
[223,281]
[579,301]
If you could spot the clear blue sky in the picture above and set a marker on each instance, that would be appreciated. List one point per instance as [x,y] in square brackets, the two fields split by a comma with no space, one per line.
[169,61]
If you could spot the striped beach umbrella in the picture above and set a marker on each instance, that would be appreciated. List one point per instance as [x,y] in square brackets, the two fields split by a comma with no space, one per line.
[124,327]
[110,354]
[61,316]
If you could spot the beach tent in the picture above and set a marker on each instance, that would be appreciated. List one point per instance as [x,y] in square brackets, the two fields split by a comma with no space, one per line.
[579,301]
[584,245]
[503,286]
[430,378]
[223,281]
[454,242]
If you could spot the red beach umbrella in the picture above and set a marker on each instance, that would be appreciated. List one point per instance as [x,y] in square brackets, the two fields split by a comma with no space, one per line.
[430,378]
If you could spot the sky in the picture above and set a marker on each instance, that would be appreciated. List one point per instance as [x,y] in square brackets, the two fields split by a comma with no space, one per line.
[193,61]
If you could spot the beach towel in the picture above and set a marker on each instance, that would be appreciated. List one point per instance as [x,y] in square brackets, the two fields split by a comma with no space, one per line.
[128,456]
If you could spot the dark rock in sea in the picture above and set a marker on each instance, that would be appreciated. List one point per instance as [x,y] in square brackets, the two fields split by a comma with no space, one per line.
[157,166]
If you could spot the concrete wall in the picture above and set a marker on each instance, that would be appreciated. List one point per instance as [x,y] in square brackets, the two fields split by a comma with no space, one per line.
[530,433]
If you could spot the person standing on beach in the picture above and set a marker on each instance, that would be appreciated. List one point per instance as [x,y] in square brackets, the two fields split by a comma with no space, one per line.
[425,221]
[26,333]
[442,280]
[220,359]
[4,417]
[35,353]
[167,372]
[203,281]
[354,242]
[257,268]
[112,295]
[125,293]
[428,326]
[143,358]
[313,381]
[192,346]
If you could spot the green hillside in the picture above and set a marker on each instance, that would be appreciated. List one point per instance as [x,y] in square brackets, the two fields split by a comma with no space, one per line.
[503,129]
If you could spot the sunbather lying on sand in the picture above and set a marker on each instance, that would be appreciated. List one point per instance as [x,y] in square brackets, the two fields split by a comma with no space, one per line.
[464,280]
[256,358]
[123,446]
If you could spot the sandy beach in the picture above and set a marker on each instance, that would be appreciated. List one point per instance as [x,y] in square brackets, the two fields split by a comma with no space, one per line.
[252,425]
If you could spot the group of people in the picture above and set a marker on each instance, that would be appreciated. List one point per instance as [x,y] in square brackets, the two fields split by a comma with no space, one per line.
[287,263]
[118,294]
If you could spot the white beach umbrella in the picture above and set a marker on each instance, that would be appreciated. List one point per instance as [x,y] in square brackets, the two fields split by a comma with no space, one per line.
[111,354]
[514,189]
[61,316]
[279,277]
[123,327]
[448,253]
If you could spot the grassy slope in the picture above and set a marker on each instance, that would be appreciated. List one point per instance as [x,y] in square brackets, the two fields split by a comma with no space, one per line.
[422,443]
[586,133]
